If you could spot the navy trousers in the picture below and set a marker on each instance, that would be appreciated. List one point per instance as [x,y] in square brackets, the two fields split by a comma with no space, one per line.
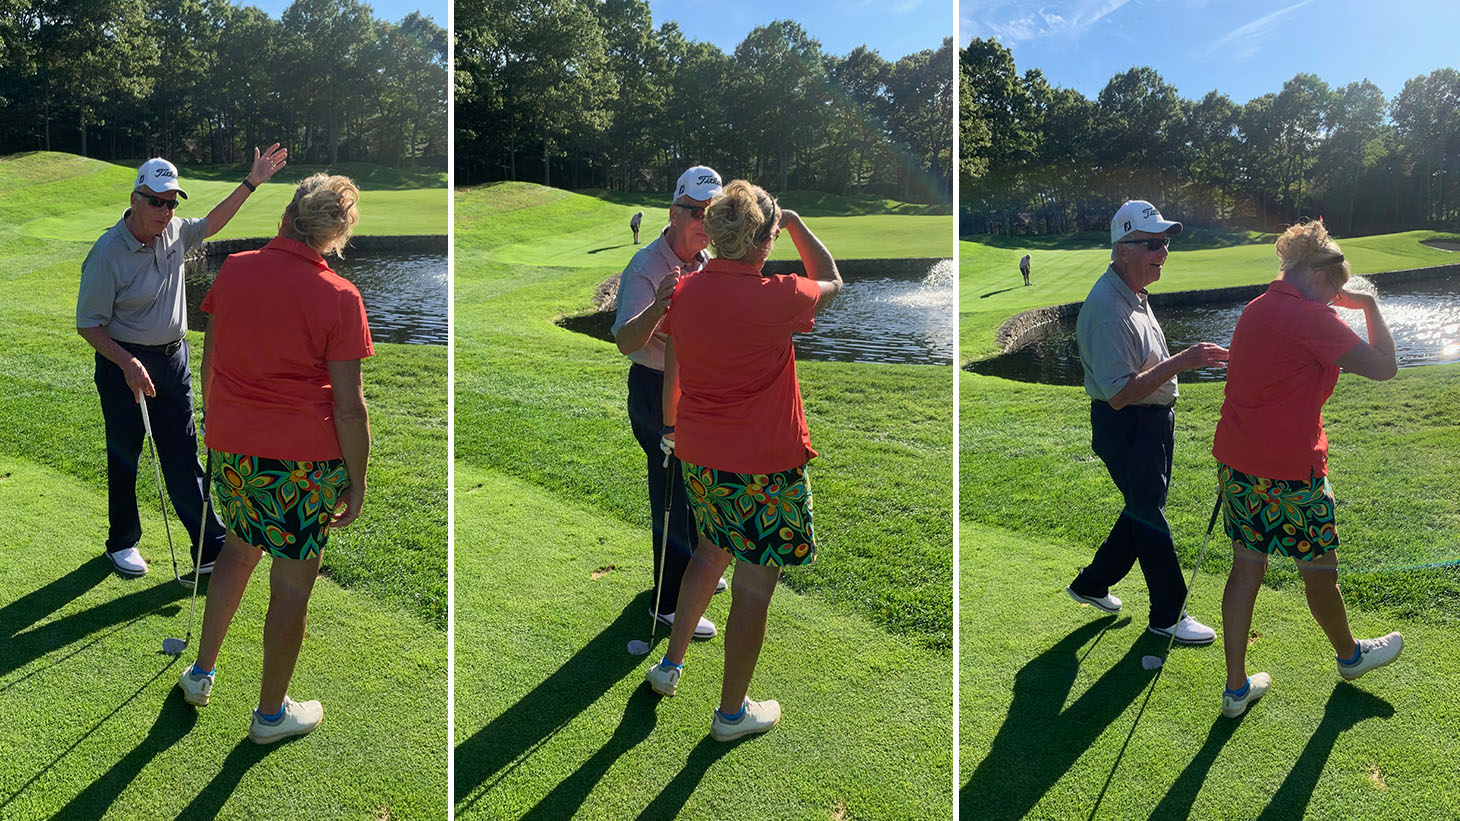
[646,415]
[171,415]
[1135,443]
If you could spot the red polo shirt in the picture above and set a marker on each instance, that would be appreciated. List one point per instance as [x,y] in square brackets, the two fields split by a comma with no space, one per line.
[1282,369]
[279,315]
[740,403]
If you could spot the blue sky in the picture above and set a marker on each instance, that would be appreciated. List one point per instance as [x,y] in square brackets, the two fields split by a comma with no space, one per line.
[391,10]
[1242,48]
[894,28]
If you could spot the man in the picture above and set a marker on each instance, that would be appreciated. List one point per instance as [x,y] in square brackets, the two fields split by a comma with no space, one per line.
[643,298]
[1024,268]
[1131,379]
[634,222]
[132,308]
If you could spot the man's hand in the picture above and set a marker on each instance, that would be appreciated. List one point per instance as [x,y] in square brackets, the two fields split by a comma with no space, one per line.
[666,290]
[138,380]
[350,505]
[666,444]
[1203,355]
[264,165]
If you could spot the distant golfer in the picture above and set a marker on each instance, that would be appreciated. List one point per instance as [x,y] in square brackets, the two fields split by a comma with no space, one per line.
[634,221]
[132,308]
[288,433]
[643,297]
[732,406]
[1024,268]
[1131,379]
[1272,452]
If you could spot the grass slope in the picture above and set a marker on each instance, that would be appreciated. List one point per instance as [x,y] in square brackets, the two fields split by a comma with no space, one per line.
[540,417]
[1045,713]
[551,227]
[96,727]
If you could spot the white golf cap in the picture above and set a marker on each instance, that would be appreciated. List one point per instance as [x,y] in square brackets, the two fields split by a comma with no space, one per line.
[159,175]
[698,183]
[1139,215]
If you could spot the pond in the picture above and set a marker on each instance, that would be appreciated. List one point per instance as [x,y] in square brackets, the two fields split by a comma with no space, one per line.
[405,293]
[1423,316]
[901,318]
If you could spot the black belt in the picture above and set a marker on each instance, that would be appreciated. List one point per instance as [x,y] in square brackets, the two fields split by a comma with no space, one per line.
[1171,406]
[166,349]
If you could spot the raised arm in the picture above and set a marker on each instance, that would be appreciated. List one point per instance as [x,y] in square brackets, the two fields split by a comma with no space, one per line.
[1373,359]
[820,267]
[352,427]
[637,332]
[264,166]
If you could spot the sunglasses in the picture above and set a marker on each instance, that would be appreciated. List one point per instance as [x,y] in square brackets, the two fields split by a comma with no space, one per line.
[696,211]
[1152,244]
[158,202]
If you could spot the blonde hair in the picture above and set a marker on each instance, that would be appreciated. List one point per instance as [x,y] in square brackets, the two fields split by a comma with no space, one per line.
[323,214]
[740,218]
[1307,245]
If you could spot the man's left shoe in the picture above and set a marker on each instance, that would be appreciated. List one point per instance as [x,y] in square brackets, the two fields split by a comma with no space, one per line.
[1188,631]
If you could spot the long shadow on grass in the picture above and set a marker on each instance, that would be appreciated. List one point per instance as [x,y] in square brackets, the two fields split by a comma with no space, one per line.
[570,793]
[1179,799]
[671,800]
[173,722]
[54,761]
[27,646]
[43,601]
[1041,738]
[497,748]
[209,803]
[1347,706]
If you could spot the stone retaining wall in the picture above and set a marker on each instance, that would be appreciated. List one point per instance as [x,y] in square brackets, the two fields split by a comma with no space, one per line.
[1010,336]
[420,243]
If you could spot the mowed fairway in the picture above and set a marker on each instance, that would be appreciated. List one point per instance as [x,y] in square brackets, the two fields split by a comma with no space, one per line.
[97,727]
[553,566]
[1058,719]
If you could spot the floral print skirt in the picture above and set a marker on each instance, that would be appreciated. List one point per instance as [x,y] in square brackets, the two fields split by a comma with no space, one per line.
[280,506]
[1280,517]
[760,518]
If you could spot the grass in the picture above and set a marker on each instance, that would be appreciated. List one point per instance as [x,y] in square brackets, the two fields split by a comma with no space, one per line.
[390,565]
[536,226]
[1073,690]
[540,418]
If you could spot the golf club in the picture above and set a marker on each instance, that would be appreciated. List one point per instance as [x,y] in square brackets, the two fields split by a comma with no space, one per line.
[636,647]
[1154,662]
[171,646]
[157,472]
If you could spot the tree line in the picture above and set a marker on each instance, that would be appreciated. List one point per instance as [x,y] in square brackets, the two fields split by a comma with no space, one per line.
[588,93]
[206,80]
[1040,159]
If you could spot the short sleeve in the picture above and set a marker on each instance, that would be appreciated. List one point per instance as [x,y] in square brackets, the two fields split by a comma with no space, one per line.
[635,293]
[796,298]
[350,338]
[192,232]
[1327,336]
[1110,356]
[97,295]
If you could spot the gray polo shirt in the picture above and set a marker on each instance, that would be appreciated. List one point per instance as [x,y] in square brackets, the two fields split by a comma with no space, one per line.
[134,290]
[636,287]
[1119,337]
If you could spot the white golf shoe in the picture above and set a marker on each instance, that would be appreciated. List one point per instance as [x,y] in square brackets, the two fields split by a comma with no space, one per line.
[1234,705]
[704,630]
[663,680]
[759,716]
[196,687]
[1107,602]
[300,718]
[1373,653]
[1188,631]
[128,562]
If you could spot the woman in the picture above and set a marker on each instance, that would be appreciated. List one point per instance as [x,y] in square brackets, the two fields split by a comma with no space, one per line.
[1272,452]
[730,389]
[289,435]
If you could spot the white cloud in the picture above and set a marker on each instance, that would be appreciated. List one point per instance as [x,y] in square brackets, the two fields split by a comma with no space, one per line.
[1014,22]
[1244,40]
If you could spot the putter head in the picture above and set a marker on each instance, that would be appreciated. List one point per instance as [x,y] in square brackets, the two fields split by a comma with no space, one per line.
[1151,662]
[173,647]
[638,648]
